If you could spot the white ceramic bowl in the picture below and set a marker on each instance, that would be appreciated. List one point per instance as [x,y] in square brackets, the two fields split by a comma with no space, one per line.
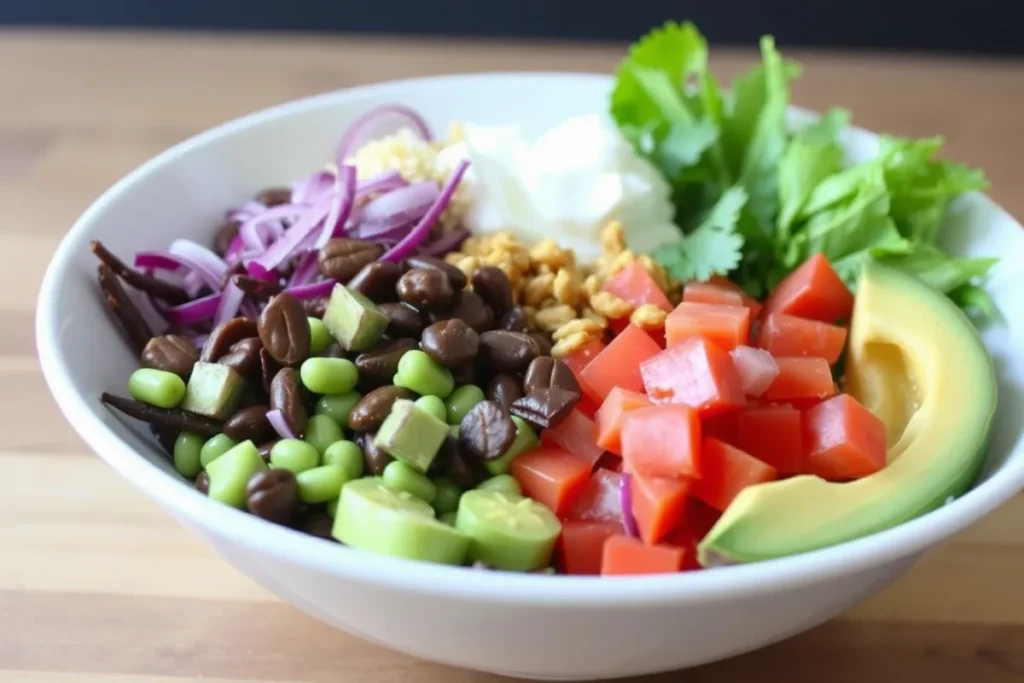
[534,626]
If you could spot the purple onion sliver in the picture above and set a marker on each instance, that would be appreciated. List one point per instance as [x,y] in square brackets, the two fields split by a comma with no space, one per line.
[626,498]
[361,129]
[280,425]
[305,271]
[404,205]
[377,232]
[312,188]
[342,201]
[422,229]
[195,311]
[313,290]
[230,301]
[284,248]
[382,182]
[449,241]
[156,260]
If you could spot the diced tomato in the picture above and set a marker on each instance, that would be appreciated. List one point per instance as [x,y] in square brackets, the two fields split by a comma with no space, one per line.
[844,440]
[600,500]
[788,336]
[698,518]
[801,378]
[609,416]
[750,302]
[618,365]
[635,285]
[772,434]
[658,505]
[813,291]
[577,434]
[721,426]
[709,293]
[726,326]
[551,476]
[662,441]
[576,361]
[727,471]
[695,373]
[610,461]
[625,555]
[581,545]
[756,369]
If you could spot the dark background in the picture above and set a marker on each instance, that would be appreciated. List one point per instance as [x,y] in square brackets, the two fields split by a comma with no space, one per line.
[990,27]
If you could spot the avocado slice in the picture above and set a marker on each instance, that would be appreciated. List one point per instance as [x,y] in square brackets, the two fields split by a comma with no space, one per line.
[917,362]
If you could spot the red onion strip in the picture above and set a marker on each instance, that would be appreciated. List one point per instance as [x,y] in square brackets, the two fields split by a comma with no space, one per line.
[280,425]
[313,290]
[626,498]
[341,205]
[422,229]
[358,132]
[284,248]
[230,300]
[382,182]
[194,311]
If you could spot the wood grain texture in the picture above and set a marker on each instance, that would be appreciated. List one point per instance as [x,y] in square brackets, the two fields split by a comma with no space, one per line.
[98,586]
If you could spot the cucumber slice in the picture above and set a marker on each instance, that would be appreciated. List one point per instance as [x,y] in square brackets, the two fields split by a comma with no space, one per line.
[370,516]
[507,531]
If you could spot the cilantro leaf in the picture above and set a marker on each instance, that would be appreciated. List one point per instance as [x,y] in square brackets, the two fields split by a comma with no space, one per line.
[713,248]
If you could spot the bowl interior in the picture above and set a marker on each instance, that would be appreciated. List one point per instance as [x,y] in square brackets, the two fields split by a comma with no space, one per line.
[185,191]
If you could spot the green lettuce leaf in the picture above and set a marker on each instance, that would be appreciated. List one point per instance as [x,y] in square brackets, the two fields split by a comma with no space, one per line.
[813,155]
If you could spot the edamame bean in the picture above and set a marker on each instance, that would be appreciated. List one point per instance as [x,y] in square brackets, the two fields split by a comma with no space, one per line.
[187,447]
[329,375]
[401,477]
[229,474]
[447,497]
[421,373]
[338,406]
[505,483]
[461,401]
[294,455]
[157,387]
[448,518]
[322,431]
[432,405]
[320,484]
[346,455]
[215,447]
[319,337]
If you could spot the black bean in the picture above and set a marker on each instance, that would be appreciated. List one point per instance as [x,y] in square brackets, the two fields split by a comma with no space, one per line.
[250,424]
[374,458]
[160,289]
[543,340]
[284,329]
[510,352]
[515,320]
[493,286]
[486,431]
[341,258]
[316,523]
[124,309]
[176,418]
[244,356]
[403,321]
[224,336]
[255,288]
[316,308]
[335,350]
[368,414]
[378,366]
[465,471]
[286,395]
[268,369]
[466,374]
[377,281]
[455,276]
[224,236]
[545,407]
[426,289]
[451,343]
[546,372]
[272,495]
[172,353]
[469,308]
[504,390]
[202,483]
[273,196]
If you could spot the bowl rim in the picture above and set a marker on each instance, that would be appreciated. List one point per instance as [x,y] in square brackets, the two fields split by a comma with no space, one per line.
[287,545]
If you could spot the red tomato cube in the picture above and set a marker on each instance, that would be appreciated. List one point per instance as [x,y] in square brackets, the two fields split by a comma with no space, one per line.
[658,505]
[801,378]
[709,293]
[788,336]
[727,471]
[662,441]
[618,364]
[609,416]
[695,373]
[625,555]
[698,519]
[813,291]
[577,434]
[772,434]
[844,440]
[635,285]
[726,326]
[551,476]
[581,545]
[600,500]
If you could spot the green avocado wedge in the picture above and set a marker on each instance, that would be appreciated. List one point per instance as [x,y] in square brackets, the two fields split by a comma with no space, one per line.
[915,360]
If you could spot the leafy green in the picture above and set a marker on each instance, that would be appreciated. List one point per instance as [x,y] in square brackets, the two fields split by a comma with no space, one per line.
[754,199]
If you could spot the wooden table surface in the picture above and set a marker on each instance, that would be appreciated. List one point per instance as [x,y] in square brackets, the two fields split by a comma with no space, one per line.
[97,585]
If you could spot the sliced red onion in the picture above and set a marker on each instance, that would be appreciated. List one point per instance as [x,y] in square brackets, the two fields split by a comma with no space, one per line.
[203,263]
[157,260]
[449,241]
[382,182]
[194,311]
[756,367]
[342,201]
[369,231]
[305,271]
[422,229]
[234,253]
[231,299]
[280,425]
[312,188]
[199,339]
[192,284]
[284,248]
[313,290]
[626,496]
[363,128]
[247,210]
[397,208]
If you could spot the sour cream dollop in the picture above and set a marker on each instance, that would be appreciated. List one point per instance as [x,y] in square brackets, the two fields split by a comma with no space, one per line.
[565,184]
